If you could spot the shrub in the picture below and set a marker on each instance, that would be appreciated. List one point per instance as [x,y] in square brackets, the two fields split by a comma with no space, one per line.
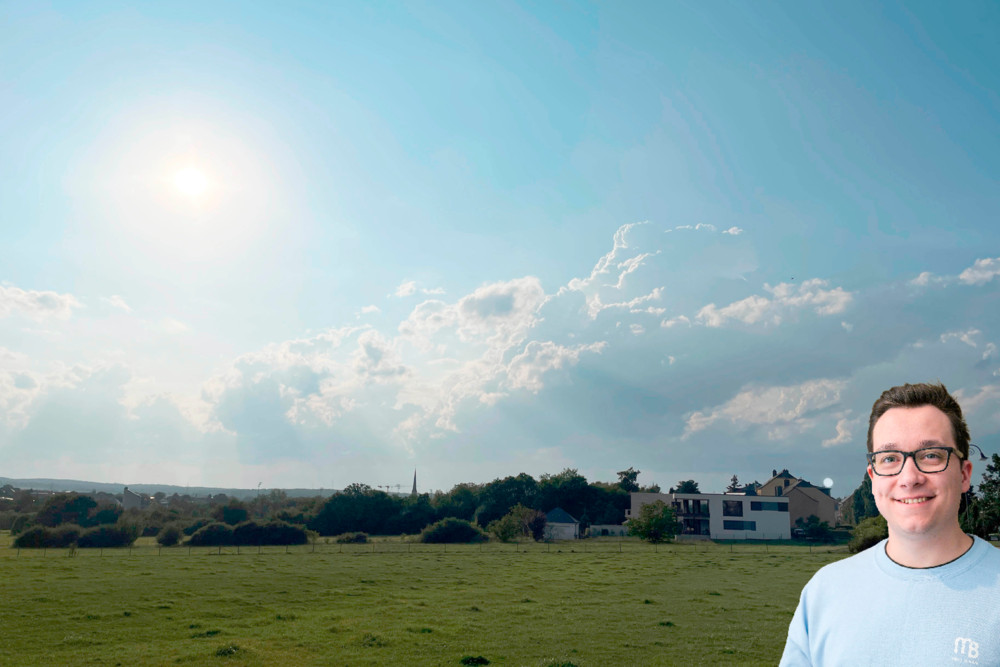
[212,535]
[36,537]
[452,531]
[868,533]
[193,528]
[352,538]
[170,535]
[109,537]
[277,533]
[65,535]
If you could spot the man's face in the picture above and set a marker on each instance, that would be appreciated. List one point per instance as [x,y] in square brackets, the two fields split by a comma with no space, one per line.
[913,502]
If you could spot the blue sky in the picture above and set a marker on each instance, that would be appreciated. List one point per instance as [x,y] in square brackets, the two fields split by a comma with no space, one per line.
[311,244]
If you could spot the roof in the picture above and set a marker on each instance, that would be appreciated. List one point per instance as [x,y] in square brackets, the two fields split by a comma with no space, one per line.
[559,515]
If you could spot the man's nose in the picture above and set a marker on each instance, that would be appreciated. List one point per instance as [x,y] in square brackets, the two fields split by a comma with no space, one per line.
[910,472]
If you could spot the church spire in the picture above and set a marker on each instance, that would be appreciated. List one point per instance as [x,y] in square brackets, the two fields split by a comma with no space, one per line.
[414,491]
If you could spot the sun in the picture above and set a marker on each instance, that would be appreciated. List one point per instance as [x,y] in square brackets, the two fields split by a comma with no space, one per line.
[191,181]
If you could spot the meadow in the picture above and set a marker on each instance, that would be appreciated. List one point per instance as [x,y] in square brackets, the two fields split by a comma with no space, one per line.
[582,603]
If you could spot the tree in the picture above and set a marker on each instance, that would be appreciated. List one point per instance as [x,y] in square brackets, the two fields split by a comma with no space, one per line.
[863,502]
[66,508]
[813,529]
[656,523]
[734,484]
[988,503]
[687,486]
[520,522]
[627,480]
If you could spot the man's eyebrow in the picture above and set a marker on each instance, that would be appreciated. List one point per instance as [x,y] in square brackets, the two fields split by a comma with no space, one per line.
[923,443]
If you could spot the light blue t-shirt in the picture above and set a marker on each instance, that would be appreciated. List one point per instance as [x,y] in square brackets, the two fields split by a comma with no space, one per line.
[869,610]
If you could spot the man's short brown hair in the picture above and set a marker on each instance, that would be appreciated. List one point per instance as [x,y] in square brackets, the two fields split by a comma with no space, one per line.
[917,395]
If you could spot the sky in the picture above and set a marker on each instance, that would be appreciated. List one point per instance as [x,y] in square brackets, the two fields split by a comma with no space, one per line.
[307,244]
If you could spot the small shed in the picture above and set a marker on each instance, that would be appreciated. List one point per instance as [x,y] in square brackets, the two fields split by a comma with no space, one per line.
[559,525]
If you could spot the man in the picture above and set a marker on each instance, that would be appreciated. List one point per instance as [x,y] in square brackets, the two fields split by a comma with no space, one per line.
[929,594]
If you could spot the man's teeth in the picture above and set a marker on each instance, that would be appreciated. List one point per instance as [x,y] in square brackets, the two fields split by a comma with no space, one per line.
[913,501]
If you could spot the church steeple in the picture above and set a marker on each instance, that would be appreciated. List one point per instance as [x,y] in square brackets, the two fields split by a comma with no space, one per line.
[414,491]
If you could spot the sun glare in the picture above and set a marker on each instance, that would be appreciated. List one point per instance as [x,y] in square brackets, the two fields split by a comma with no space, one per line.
[191,181]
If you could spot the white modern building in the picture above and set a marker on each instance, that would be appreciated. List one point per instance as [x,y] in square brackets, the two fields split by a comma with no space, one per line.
[723,516]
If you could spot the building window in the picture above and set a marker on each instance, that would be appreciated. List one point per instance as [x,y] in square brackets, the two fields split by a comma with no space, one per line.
[739,525]
[732,508]
[759,506]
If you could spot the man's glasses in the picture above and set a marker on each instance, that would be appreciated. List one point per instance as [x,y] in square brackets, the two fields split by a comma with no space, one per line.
[888,462]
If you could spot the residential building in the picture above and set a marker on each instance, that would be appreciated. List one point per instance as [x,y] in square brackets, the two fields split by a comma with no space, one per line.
[805,499]
[560,525]
[723,516]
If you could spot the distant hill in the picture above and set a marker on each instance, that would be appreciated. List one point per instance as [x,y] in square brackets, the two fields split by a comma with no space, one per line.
[150,489]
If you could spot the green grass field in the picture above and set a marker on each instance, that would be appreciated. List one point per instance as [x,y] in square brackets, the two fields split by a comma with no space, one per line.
[403,604]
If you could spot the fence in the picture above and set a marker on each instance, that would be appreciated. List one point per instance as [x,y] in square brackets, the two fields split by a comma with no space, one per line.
[379,547]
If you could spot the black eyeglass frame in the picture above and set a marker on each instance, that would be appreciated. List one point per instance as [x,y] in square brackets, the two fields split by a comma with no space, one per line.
[912,455]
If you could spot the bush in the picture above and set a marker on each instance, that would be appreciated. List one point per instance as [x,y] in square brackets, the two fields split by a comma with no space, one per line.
[351,538]
[276,533]
[170,535]
[212,535]
[36,537]
[452,531]
[869,532]
[109,537]
[65,535]
[193,528]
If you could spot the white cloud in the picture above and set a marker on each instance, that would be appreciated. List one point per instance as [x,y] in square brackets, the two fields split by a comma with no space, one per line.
[117,302]
[923,279]
[963,336]
[526,369]
[733,231]
[847,326]
[409,288]
[680,319]
[406,288]
[771,406]
[594,305]
[637,329]
[370,309]
[845,429]
[982,271]
[36,305]
[785,298]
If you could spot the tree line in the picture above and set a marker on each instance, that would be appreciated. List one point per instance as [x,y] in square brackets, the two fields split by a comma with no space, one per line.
[507,508]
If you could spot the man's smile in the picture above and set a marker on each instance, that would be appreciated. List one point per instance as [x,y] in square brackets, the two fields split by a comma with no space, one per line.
[913,501]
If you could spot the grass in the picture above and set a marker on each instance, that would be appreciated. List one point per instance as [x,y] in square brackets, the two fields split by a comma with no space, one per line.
[404,604]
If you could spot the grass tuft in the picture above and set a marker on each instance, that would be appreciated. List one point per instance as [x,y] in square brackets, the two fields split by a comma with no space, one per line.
[474,660]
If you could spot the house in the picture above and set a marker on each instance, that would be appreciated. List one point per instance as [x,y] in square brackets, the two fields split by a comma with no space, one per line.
[805,499]
[559,525]
[133,500]
[723,516]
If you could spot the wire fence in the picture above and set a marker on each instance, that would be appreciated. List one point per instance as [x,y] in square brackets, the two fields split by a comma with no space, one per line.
[378,547]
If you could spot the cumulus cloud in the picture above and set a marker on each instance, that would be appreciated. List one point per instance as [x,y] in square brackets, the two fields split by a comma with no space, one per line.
[844,429]
[733,231]
[406,288]
[527,368]
[981,272]
[771,406]
[785,298]
[36,305]
[923,279]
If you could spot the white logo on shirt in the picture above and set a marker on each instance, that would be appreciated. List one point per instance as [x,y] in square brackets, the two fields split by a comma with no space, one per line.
[968,648]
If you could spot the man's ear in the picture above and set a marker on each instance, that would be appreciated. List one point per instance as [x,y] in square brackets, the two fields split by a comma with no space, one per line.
[871,474]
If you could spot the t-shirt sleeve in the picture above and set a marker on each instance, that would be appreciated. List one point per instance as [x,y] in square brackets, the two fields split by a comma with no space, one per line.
[796,652]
